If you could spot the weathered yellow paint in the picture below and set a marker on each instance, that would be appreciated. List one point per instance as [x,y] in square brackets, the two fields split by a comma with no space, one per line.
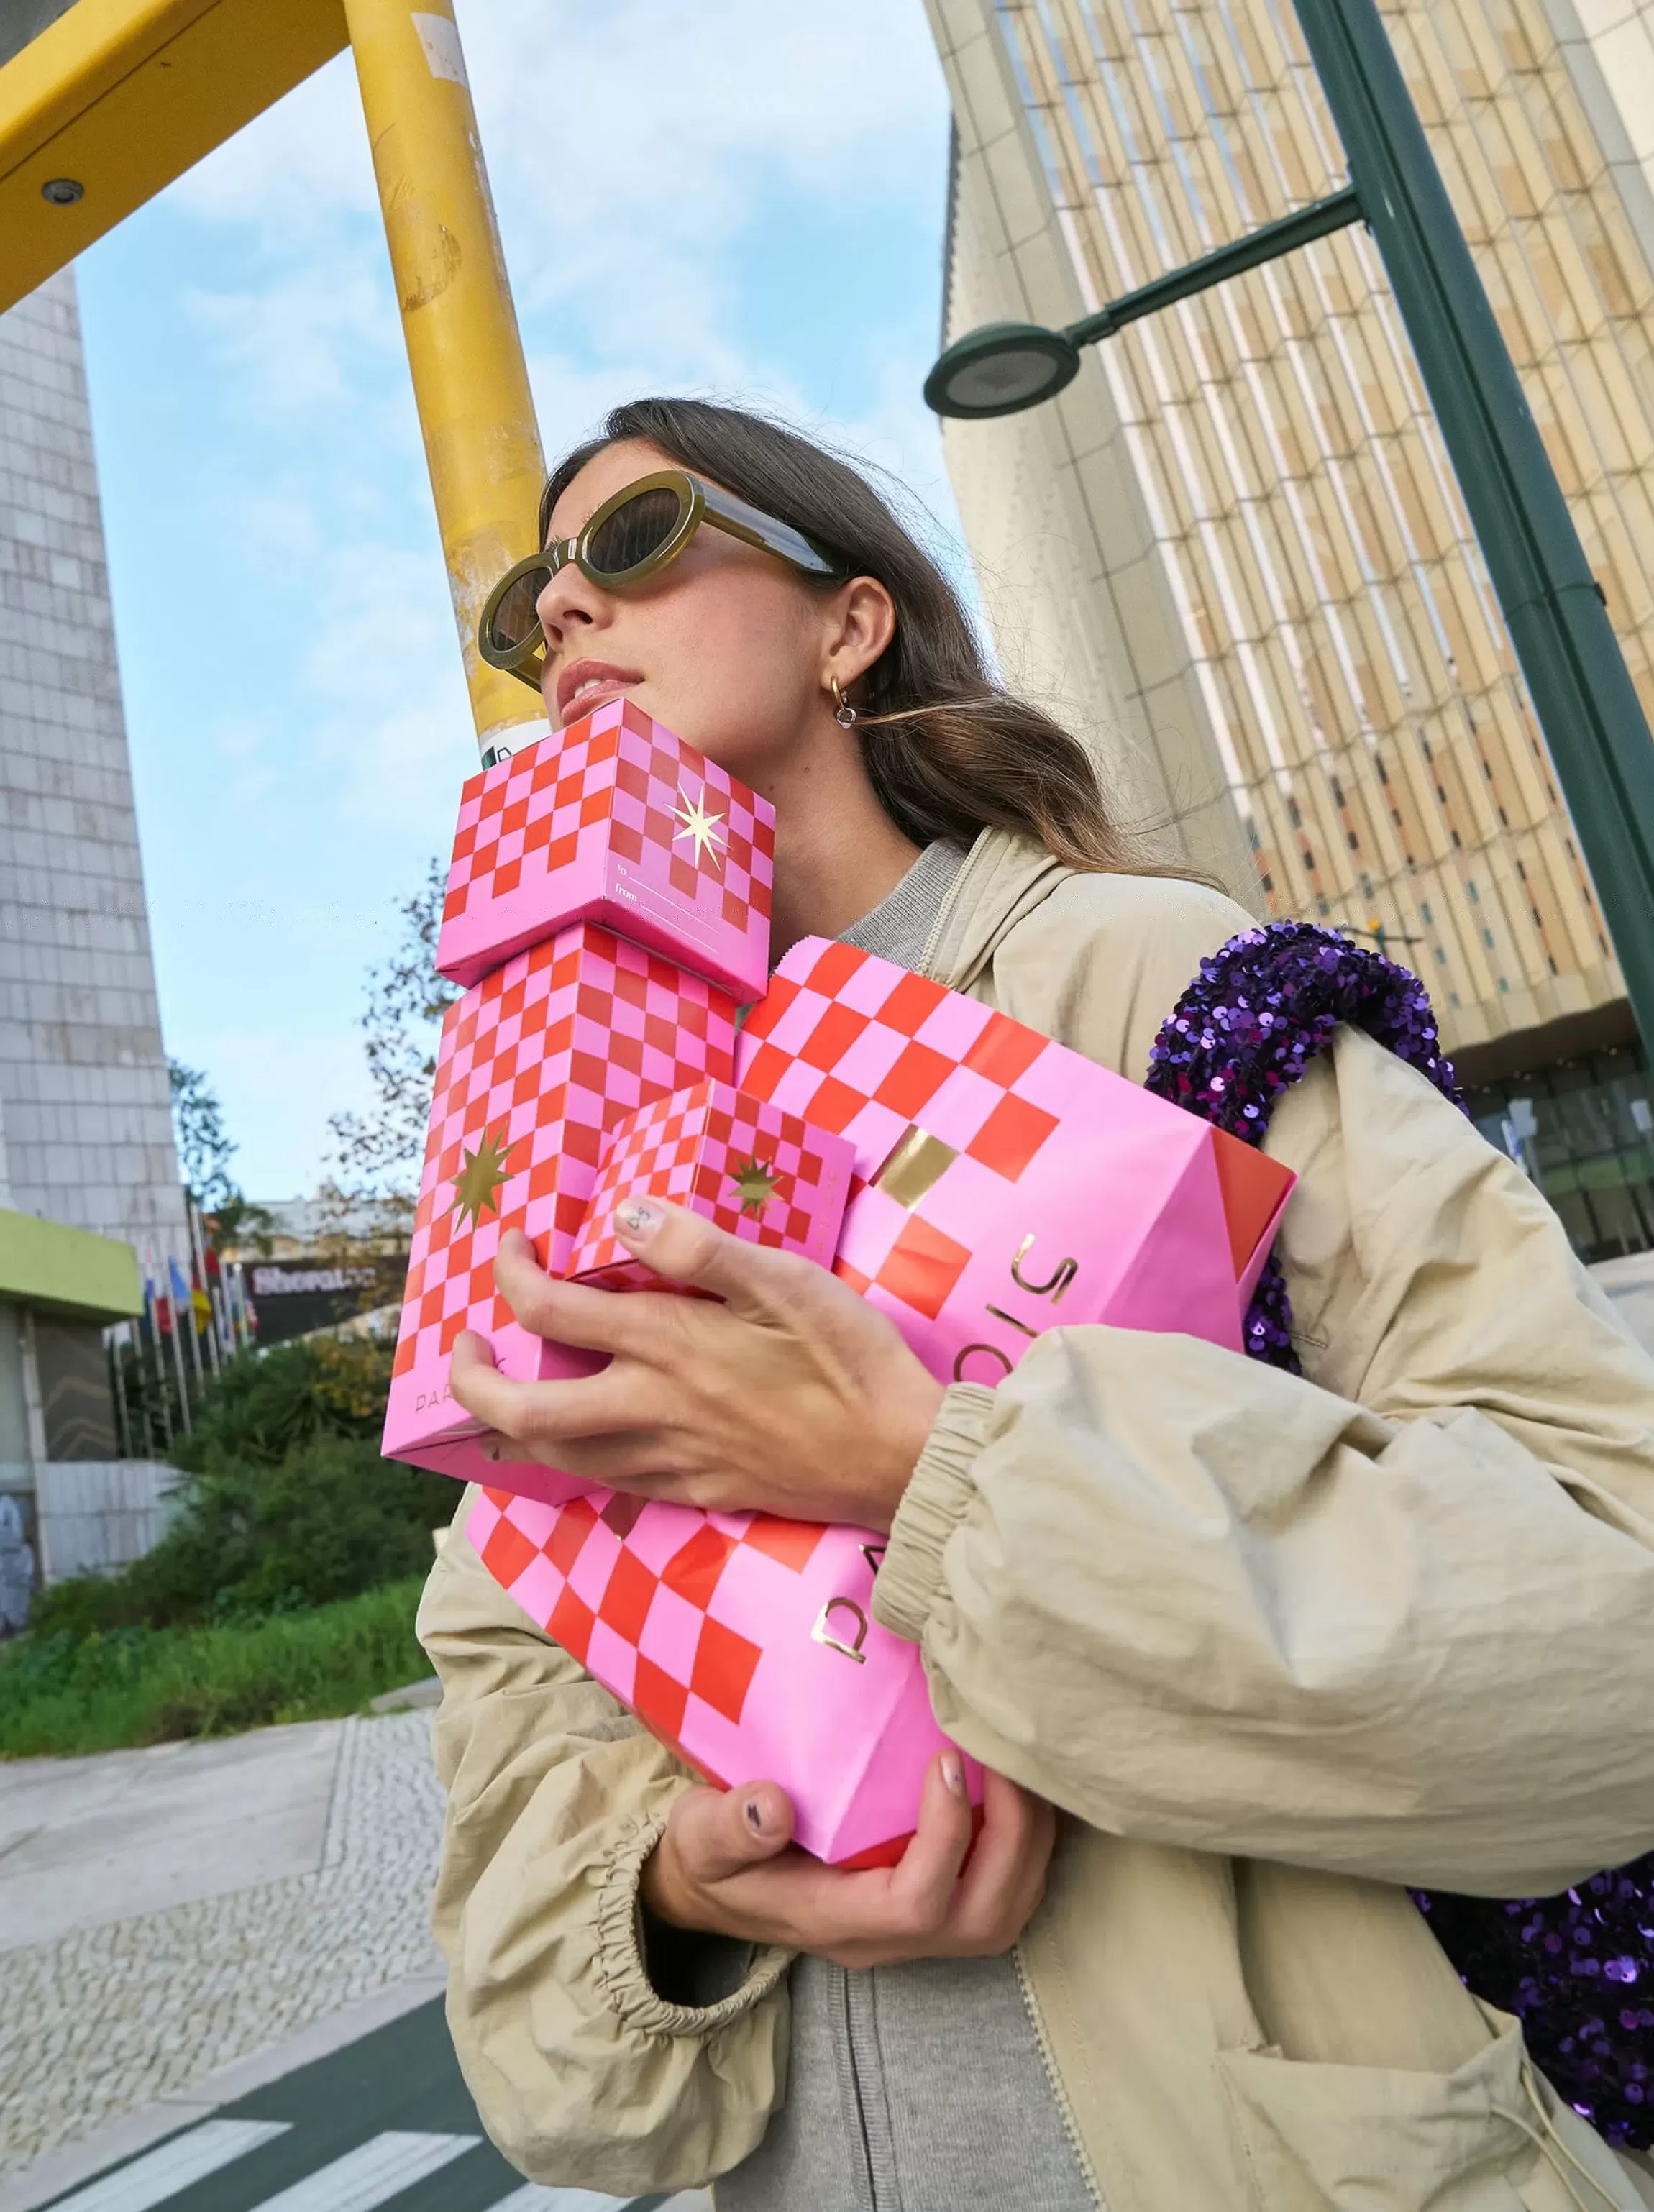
[122,96]
[470,379]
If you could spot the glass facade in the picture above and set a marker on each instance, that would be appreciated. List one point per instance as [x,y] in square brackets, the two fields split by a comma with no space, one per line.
[1584,1132]
[1374,731]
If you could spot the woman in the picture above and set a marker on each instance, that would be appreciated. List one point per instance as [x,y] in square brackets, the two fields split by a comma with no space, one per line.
[1246,1654]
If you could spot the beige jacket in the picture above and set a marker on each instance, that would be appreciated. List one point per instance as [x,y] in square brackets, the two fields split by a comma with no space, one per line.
[1276,1647]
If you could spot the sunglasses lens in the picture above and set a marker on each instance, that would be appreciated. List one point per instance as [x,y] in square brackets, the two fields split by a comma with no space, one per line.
[513,620]
[634,533]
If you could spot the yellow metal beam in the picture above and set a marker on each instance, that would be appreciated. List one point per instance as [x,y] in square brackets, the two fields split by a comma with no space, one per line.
[469,381]
[121,96]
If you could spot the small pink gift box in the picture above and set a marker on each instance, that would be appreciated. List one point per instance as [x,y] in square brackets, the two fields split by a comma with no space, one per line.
[762,1174]
[535,1062]
[746,1643]
[1005,1184]
[613,820]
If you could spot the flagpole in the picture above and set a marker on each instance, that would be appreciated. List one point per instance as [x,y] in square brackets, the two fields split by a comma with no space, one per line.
[152,1313]
[178,1349]
[115,1345]
[198,1239]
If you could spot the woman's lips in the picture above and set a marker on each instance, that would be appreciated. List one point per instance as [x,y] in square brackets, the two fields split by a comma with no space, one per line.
[585,684]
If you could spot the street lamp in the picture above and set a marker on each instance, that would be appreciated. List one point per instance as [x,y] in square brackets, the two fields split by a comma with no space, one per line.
[1000,369]
[1005,367]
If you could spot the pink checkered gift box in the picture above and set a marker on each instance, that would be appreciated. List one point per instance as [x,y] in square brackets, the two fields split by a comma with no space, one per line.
[535,1062]
[613,820]
[1005,1184]
[746,1643]
[762,1174]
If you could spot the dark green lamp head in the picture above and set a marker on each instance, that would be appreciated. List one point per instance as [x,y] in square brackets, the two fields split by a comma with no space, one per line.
[1000,369]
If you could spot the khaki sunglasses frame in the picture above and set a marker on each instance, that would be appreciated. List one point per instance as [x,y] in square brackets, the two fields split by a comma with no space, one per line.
[698,501]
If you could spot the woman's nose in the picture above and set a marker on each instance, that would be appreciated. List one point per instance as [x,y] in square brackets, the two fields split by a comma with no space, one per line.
[568,600]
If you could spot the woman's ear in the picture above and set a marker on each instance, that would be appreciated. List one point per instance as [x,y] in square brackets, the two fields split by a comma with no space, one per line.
[863,624]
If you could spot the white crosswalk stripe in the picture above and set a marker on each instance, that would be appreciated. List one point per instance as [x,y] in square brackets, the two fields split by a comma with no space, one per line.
[372,2173]
[173,2165]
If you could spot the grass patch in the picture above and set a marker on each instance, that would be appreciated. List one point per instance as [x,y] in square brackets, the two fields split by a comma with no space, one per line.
[61,1692]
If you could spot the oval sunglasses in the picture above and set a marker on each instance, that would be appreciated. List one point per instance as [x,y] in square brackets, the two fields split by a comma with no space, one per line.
[627,540]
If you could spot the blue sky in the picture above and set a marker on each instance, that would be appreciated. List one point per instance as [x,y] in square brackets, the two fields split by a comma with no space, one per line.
[745,200]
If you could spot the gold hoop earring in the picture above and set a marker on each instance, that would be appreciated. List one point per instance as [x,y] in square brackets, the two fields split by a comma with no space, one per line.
[843,712]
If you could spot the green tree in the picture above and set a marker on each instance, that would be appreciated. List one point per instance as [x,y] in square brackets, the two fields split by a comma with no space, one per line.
[205,1148]
[377,1154]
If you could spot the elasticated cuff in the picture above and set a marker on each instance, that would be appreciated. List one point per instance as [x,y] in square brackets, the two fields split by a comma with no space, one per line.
[621,1970]
[937,1498]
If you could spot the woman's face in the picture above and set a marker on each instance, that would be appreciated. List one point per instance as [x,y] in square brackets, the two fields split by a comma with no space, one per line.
[726,646]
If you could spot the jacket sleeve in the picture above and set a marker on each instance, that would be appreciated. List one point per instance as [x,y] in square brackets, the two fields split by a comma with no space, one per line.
[584,2073]
[1396,1621]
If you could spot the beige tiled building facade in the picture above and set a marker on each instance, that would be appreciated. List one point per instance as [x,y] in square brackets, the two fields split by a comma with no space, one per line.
[1233,550]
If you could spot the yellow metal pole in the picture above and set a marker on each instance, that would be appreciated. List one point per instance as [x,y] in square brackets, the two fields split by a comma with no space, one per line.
[469,381]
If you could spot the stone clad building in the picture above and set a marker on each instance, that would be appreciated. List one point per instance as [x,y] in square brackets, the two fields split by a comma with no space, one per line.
[1234,551]
[87,1170]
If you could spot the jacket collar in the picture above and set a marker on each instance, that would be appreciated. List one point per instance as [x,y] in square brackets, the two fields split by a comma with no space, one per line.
[1004,878]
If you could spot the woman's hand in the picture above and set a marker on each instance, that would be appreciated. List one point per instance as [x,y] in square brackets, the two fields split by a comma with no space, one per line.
[793,1395]
[724,1866]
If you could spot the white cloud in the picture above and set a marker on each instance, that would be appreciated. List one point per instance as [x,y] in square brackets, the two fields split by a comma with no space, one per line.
[629,147]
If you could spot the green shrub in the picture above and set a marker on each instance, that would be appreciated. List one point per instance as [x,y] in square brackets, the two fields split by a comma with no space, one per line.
[287,1504]
[65,1693]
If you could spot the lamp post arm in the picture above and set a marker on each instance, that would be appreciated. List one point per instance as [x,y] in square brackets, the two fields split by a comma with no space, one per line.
[1302,228]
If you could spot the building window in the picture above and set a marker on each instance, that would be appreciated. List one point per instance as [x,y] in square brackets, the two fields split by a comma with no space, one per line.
[1584,1132]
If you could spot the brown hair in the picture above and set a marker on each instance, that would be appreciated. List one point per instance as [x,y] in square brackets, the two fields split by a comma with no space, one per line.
[948,750]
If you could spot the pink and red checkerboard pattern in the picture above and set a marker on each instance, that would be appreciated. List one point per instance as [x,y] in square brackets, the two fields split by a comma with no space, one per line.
[1113,1203]
[860,1046]
[598,821]
[702,1624]
[535,1062]
[762,1174]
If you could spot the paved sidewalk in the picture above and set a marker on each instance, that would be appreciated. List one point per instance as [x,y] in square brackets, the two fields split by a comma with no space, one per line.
[166,1913]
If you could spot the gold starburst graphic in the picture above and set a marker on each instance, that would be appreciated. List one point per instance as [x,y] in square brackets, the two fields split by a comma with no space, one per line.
[698,825]
[477,1186]
[756,1183]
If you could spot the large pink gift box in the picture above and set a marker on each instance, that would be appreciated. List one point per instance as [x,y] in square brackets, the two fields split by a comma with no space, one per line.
[613,820]
[1005,1184]
[746,1643]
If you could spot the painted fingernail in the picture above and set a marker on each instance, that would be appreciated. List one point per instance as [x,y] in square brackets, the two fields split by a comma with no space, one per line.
[754,1816]
[953,1772]
[635,1218]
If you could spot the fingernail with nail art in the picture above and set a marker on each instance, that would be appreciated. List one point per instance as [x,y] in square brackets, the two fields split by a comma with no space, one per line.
[636,1219]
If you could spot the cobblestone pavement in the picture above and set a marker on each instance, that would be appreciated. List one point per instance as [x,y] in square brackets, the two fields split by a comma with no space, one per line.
[102,2021]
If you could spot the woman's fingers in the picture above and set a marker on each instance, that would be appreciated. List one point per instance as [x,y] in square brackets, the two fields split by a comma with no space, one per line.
[616,1402]
[753,1279]
[570,1313]
[923,1882]
[714,1833]
[1005,1878]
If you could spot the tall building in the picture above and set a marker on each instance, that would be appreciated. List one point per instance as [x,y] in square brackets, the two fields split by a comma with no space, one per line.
[88,1169]
[1234,551]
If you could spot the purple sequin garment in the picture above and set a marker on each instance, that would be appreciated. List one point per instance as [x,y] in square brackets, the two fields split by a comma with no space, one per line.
[1578,1968]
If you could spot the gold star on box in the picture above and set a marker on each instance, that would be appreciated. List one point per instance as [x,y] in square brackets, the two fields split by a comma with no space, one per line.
[756,1183]
[698,825]
[477,1186]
